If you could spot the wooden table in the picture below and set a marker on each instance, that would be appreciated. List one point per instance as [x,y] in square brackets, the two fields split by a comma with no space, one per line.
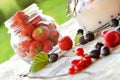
[106,68]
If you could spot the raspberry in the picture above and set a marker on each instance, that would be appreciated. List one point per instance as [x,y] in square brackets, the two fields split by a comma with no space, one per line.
[71,71]
[80,51]
[104,32]
[112,38]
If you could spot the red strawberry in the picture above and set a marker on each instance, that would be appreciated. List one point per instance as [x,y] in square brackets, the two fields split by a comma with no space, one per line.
[47,46]
[27,29]
[35,48]
[51,26]
[53,36]
[23,48]
[19,18]
[65,43]
[112,39]
[36,21]
[40,33]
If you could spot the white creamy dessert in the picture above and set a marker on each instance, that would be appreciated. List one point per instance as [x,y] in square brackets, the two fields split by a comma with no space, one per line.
[92,14]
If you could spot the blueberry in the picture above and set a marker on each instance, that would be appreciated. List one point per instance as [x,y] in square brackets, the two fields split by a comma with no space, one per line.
[80,31]
[89,36]
[53,57]
[82,41]
[95,53]
[119,16]
[118,29]
[98,45]
[104,51]
[114,22]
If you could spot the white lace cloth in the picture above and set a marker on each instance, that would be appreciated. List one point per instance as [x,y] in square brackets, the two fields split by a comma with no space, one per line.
[106,68]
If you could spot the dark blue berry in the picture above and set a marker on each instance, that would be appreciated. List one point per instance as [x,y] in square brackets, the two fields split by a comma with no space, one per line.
[114,22]
[95,53]
[80,31]
[82,41]
[89,36]
[53,57]
[104,51]
[98,45]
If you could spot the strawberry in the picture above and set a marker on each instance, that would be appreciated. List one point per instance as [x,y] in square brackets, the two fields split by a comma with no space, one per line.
[19,18]
[65,43]
[112,39]
[40,33]
[35,47]
[53,36]
[47,46]
[27,29]
[36,21]
[23,48]
[51,26]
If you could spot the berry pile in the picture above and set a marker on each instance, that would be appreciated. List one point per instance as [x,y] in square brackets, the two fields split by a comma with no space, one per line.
[36,34]
[78,65]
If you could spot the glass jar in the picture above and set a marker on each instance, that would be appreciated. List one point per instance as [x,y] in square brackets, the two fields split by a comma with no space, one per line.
[22,26]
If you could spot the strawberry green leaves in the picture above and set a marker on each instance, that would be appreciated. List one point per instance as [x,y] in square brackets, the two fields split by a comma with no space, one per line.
[39,62]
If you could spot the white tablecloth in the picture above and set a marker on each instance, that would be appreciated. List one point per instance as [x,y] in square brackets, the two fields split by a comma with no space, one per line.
[106,68]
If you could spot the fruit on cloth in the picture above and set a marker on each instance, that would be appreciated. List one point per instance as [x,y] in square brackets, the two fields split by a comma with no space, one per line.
[80,31]
[114,22]
[117,28]
[40,33]
[104,51]
[89,36]
[112,39]
[104,32]
[98,45]
[65,43]
[81,63]
[95,53]
[47,46]
[53,57]
[79,51]
[82,41]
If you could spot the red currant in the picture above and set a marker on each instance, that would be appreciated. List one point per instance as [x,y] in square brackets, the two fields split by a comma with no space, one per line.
[71,71]
[80,51]
[74,62]
[79,67]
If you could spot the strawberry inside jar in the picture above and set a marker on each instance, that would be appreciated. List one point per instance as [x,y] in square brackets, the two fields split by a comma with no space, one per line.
[30,26]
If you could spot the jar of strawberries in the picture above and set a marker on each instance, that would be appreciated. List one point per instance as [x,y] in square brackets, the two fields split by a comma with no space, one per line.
[32,32]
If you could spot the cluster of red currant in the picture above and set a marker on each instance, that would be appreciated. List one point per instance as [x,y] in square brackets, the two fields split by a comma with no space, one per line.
[78,65]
